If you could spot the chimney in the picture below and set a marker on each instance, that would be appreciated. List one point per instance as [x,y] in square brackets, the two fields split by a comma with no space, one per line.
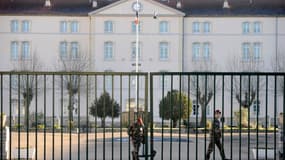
[226,5]
[47,3]
[178,4]
[94,3]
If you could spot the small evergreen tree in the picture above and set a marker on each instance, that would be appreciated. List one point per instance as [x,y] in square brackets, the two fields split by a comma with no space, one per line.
[104,107]
[175,105]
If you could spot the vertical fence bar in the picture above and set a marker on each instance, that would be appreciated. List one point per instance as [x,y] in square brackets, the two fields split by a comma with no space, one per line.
[275,114]
[36,116]
[104,113]
[87,116]
[188,115]
[171,110]
[266,115]
[53,115]
[180,105]
[10,110]
[214,110]
[45,122]
[223,108]
[121,119]
[19,112]
[146,78]
[283,128]
[231,110]
[78,77]
[162,117]
[240,97]
[204,106]
[257,121]
[248,117]
[27,111]
[129,118]
[95,81]
[151,114]
[196,115]
[70,116]
[61,117]
[112,117]
[1,145]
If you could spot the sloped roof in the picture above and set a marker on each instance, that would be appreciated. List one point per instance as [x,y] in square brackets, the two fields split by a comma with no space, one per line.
[189,7]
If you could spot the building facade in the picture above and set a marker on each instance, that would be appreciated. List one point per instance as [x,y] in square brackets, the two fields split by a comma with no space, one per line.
[172,38]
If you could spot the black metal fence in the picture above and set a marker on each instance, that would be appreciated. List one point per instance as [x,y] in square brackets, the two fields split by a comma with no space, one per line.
[53,115]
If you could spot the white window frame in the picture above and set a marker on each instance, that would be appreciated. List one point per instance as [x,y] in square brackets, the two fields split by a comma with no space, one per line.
[206,27]
[108,26]
[108,50]
[26,50]
[26,26]
[163,27]
[74,50]
[246,51]
[196,27]
[133,50]
[163,51]
[15,50]
[63,50]
[74,26]
[206,51]
[63,26]
[14,26]
[245,27]
[257,27]
[196,51]
[257,50]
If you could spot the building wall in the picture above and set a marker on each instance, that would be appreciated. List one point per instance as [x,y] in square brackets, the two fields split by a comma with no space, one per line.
[44,37]
[225,39]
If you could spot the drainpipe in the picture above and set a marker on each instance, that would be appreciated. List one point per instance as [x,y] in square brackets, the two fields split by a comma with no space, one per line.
[90,44]
[276,43]
[183,41]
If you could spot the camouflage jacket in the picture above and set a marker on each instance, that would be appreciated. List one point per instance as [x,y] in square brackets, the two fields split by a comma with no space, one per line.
[136,131]
[216,131]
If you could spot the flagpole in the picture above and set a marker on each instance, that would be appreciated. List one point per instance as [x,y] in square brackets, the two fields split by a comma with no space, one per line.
[137,22]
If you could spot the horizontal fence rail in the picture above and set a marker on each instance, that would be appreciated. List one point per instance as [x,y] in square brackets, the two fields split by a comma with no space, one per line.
[86,115]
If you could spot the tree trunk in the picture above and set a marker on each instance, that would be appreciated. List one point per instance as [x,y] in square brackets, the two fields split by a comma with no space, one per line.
[102,122]
[70,108]
[174,123]
[27,103]
[203,116]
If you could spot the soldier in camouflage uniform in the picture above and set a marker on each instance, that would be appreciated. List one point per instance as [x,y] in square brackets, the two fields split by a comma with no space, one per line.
[215,137]
[136,132]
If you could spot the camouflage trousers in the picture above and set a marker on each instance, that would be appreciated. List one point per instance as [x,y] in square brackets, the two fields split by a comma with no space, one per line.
[215,141]
[136,149]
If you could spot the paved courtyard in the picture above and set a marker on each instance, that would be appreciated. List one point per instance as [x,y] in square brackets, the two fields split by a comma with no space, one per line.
[119,148]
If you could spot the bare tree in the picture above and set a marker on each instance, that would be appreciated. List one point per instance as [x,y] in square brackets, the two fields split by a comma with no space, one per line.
[279,66]
[26,83]
[245,87]
[73,81]
[202,88]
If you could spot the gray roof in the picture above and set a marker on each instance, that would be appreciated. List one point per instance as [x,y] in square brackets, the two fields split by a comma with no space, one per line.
[189,7]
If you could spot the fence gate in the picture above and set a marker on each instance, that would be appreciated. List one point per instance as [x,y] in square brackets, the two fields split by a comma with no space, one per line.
[68,115]
[251,105]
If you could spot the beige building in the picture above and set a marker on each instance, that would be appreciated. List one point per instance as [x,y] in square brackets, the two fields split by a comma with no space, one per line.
[175,36]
